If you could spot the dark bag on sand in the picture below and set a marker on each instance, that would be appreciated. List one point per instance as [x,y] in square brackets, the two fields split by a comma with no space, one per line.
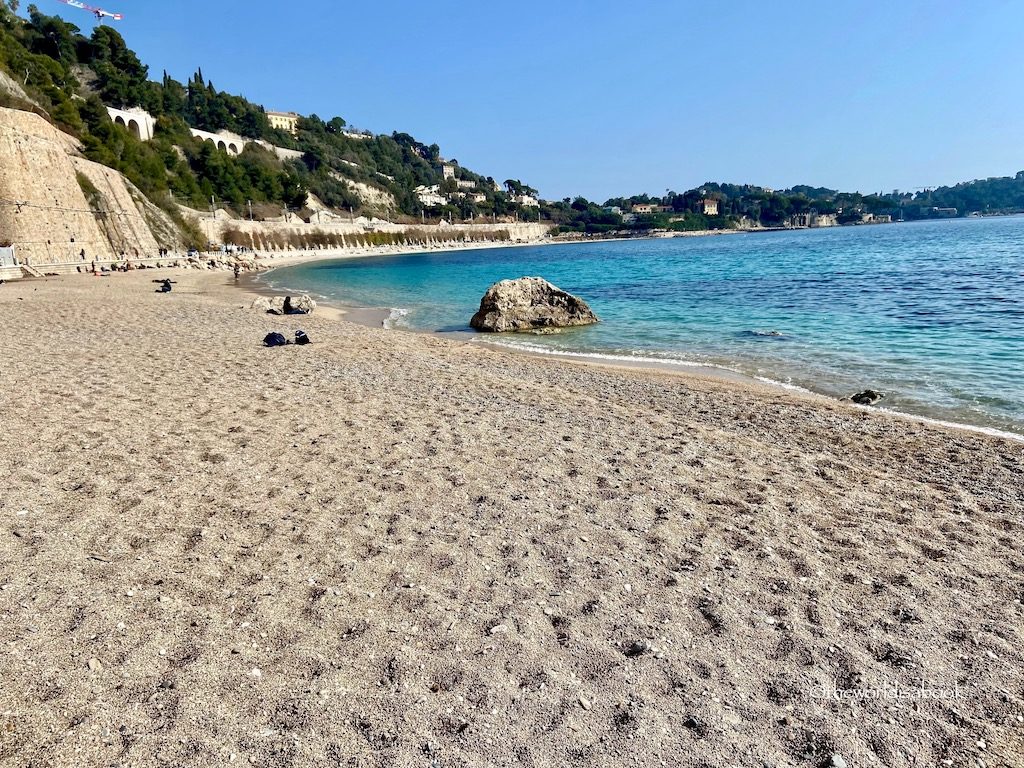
[301,337]
[274,340]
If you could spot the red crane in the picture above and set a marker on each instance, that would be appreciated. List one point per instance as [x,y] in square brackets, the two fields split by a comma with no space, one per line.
[99,13]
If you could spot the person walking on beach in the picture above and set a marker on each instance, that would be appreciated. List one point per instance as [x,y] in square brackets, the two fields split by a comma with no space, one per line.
[238,271]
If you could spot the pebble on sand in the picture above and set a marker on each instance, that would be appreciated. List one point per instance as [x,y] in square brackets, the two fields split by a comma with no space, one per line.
[638,648]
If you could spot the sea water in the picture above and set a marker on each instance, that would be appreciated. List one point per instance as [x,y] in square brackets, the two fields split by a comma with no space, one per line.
[930,313]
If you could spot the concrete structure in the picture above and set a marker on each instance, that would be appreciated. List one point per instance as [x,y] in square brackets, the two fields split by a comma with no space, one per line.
[813,220]
[448,171]
[139,122]
[527,201]
[281,152]
[285,121]
[225,141]
[612,209]
[465,184]
[877,218]
[708,206]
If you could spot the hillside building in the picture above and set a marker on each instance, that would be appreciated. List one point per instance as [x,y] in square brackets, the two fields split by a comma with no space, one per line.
[708,206]
[430,197]
[284,121]
[645,208]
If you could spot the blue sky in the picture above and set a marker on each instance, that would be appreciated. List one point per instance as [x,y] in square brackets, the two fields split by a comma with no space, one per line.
[607,98]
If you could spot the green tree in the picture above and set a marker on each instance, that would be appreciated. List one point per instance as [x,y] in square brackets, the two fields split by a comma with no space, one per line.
[121,76]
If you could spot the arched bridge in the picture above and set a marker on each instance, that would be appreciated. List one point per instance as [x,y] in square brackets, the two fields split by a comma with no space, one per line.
[138,122]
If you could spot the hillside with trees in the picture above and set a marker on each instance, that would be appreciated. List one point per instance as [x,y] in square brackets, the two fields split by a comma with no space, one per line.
[71,79]
[752,206]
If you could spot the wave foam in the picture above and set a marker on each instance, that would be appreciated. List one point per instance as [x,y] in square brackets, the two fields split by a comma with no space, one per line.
[540,349]
[397,313]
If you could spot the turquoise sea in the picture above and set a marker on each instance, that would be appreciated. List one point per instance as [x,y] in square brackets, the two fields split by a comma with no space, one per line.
[931,313]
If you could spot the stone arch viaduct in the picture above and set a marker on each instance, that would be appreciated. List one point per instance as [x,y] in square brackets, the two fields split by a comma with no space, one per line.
[142,125]
[138,122]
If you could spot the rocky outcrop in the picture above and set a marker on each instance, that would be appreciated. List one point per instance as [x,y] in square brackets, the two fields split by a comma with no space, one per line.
[284,305]
[11,87]
[867,397]
[529,303]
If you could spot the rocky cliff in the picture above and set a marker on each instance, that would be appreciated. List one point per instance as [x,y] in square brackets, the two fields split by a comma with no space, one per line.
[54,204]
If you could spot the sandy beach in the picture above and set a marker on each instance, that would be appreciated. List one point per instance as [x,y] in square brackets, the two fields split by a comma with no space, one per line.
[394,549]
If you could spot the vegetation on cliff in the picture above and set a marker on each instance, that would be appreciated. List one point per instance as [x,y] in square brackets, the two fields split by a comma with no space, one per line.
[71,80]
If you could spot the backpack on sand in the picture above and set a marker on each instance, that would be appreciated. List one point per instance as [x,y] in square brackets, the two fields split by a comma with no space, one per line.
[274,340]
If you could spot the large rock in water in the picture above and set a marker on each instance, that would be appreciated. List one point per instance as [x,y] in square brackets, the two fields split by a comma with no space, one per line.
[867,397]
[529,303]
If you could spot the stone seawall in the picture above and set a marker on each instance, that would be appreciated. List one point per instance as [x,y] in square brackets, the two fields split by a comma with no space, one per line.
[258,234]
[47,216]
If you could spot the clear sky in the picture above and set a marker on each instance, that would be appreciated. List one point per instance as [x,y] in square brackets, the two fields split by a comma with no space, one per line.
[614,98]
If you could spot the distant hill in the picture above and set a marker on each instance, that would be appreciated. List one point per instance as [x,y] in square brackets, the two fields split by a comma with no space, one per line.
[748,205]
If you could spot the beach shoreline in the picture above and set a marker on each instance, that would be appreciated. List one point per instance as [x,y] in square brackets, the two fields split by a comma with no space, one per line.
[255,284]
[216,552]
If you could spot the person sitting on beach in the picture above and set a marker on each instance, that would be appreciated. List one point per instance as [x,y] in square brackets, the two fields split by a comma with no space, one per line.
[165,285]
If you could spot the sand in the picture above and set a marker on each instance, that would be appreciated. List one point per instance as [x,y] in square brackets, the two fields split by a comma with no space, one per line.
[391,549]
